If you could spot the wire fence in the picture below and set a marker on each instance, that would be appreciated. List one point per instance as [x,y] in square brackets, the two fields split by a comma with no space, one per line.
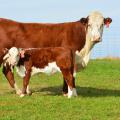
[110,45]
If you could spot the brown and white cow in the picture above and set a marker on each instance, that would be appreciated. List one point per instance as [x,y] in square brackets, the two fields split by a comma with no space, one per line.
[94,33]
[47,60]
[80,36]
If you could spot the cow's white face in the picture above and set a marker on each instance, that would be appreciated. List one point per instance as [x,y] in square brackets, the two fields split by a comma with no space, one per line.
[95,26]
[12,57]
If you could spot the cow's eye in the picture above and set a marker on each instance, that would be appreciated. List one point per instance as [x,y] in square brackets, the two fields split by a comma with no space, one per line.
[89,26]
[17,55]
[101,26]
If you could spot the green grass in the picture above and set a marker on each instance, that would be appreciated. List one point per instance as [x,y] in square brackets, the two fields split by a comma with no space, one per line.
[98,88]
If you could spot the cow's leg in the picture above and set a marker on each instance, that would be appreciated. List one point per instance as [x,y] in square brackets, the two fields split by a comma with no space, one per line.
[10,77]
[65,86]
[68,75]
[71,92]
[26,82]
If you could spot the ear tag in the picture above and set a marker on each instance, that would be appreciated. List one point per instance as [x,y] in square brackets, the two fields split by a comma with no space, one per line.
[107,24]
[22,54]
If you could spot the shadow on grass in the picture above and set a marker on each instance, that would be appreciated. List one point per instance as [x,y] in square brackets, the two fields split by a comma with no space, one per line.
[82,91]
[56,90]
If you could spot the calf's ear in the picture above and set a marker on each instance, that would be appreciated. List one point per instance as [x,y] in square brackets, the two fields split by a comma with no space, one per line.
[5,50]
[84,21]
[6,56]
[22,53]
[107,21]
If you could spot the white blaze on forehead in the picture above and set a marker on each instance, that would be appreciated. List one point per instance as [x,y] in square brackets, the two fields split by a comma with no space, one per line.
[96,18]
[13,51]
[95,26]
[12,56]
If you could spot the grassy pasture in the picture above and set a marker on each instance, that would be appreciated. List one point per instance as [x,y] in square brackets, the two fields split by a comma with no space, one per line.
[98,88]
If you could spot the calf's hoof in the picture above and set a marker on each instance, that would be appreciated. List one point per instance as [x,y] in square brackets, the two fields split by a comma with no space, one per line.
[22,95]
[19,92]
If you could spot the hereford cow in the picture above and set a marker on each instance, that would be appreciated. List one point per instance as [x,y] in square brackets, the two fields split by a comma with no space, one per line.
[80,36]
[48,60]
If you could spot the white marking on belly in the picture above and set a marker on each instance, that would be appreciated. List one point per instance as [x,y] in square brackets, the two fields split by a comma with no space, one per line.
[50,69]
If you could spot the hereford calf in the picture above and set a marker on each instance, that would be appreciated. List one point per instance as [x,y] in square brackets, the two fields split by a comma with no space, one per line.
[48,60]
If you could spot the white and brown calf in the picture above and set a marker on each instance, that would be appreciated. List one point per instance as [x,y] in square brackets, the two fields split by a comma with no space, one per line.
[47,60]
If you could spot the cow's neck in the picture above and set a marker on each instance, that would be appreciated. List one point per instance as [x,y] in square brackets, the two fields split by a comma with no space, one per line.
[83,56]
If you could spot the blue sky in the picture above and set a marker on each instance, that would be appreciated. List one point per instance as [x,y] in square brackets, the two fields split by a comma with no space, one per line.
[63,11]
[55,10]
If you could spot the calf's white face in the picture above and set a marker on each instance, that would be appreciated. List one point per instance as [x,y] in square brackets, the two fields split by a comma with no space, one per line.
[12,57]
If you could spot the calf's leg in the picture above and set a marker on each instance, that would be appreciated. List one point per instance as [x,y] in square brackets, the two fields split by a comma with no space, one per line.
[25,89]
[10,77]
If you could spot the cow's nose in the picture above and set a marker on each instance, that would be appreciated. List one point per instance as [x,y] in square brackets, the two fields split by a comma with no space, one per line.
[14,63]
[96,38]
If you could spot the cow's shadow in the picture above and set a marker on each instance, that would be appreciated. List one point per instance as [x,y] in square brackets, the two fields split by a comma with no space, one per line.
[82,91]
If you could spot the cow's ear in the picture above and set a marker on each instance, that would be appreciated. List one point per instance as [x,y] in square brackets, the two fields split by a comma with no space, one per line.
[84,21]
[107,21]
[22,53]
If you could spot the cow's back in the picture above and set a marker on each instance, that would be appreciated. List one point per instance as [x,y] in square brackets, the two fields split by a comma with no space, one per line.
[26,35]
